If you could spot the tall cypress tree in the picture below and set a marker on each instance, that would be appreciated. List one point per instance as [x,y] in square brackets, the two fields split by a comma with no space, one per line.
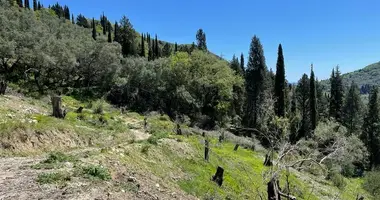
[167,50]
[235,65]
[313,100]
[303,103]
[337,95]
[93,29]
[66,12]
[201,40]
[35,6]
[109,33]
[352,108]
[175,47]
[242,63]
[116,33]
[279,88]
[39,5]
[27,5]
[104,24]
[20,3]
[72,19]
[156,48]
[371,129]
[142,53]
[255,84]
[332,108]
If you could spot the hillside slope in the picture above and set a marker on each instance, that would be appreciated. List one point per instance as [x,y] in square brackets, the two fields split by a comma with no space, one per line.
[103,154]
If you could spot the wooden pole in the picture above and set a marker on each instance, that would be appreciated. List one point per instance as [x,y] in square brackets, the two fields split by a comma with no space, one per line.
[236,147]
[218,177]
[57,104]
[207,149]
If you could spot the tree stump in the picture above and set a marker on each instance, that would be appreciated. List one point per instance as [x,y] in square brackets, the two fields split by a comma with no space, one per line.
[218,177]
[203,134]
[268,160]
[179,131]
[3,87]
[272,190]
[236,147]
[57,104]
[80,109]
[207,149]
[359,197]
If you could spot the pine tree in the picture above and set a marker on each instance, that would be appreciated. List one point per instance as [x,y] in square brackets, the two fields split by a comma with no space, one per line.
[27,5]
[175,47]
[82,21]
[352,108]
[235,65]
[103,21]
[255,84]
[127,37]
[279,87]
[313,101]
[35,6]
[93,29]
[66,12]
[242,63]
[303,103]
[332,109]
[39,5]
[142,53]
[201,40]
[109,33]
[371,129]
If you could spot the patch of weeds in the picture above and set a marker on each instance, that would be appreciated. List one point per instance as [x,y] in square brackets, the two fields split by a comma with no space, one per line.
[95,172]
[55,177]
[337,179]
[153,139]
[145,148]
[55,160]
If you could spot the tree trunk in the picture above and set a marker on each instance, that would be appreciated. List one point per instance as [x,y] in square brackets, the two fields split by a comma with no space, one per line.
[218,177]
[274,191]
[80,109]
[3,87]
[179,131]
[236,147]
[206,150]
[57,110]
[145,123]
[268,160]
[203,134]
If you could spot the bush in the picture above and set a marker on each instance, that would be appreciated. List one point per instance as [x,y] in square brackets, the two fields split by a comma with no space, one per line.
[98,107]
[95,171]
[145,148]
[153,139]
[337,179]
[57,177]
[56,157]
[372,184]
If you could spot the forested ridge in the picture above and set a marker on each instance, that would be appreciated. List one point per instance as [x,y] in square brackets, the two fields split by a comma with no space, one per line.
[49,51]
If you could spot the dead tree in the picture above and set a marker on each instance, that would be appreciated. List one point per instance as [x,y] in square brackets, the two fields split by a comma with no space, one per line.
[274,191]
[80,109]
[207,149]
[145,123]
[3,87]
[57,110]
[218,177]
[236,147]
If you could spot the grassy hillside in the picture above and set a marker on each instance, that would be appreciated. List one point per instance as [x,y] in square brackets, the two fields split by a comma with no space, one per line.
[102,153]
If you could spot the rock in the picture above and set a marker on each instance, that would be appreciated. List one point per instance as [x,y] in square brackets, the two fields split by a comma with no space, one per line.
[157,185]
[174,195]
[132,179]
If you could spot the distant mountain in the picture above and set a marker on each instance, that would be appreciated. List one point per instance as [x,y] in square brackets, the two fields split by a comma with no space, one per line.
[368,76]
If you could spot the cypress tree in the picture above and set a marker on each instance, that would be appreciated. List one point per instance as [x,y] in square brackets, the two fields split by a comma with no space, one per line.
[142,53]
[72,19]
[116,33]
[201,40]
[66,12]
[332,109]
[337,95]
[313,100]
[157,48]
[104,24]
[175,47]
[235,65]
[303,95]
[93,29]
[280,85]
[39,5]
[352,109]
[20,3]
[371,129]
[255,84]
[242,63]
[109,33]
[35,6]
[167,50]
[27,5]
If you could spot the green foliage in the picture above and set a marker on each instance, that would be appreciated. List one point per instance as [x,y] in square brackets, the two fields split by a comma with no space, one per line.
[201,40]
[95,172]
[54,177]
[279,88]
[55,160]
[153,139]
[145,148]
[313,101]
[352,110]
[303,105]
[372,183]
[337,179]
[336,95]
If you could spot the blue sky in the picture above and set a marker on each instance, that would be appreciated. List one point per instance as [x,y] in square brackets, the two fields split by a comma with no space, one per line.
[323,32]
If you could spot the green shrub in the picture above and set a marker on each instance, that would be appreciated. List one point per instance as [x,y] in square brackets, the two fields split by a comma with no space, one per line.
[55,157]
[145,148]
[337,179]
[56,177]
[153,139]
[98,107]
[372,183]
[95,172]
